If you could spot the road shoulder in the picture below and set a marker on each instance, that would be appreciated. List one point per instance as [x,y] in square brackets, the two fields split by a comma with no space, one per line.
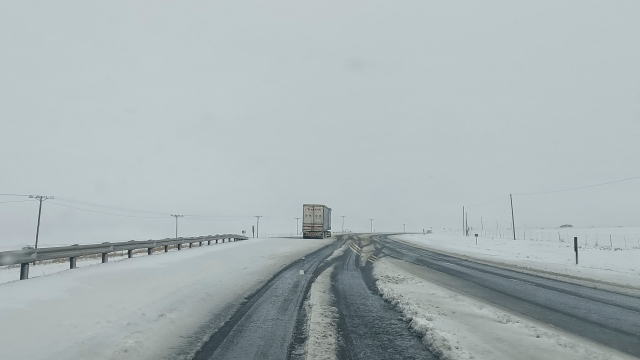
[455,326]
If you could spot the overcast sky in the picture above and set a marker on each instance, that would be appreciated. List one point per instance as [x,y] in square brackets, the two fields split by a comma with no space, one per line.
[401,111]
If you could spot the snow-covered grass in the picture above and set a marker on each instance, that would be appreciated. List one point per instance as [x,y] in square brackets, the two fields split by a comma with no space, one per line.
[152,307]
[555,257]
[322,318]
[458,327]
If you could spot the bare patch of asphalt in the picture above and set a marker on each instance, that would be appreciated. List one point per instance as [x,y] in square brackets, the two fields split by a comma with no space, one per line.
[369,327]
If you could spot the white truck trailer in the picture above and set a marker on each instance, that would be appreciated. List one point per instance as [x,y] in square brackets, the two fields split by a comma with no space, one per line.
[316,221]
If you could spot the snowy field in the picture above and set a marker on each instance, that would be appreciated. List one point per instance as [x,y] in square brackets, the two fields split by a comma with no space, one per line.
[450,323]
[619,238]
[150,307]
[600,263]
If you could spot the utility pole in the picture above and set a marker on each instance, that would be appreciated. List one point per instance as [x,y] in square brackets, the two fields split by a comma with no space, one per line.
[466,223]
[177,216]
[342,223]
[371,225]
[513,221]
[297,225]
[405,228]
[41,199]
[258,225]
[464,230]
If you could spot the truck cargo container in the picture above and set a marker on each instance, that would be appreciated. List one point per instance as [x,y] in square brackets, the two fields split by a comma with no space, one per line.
[316,221]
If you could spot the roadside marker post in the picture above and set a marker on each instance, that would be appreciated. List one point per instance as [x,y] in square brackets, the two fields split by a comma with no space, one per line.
[476,239]
[575,247]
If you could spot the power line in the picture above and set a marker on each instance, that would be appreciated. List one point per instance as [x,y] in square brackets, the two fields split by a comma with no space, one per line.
[489,202]
[15,201]
[106,213]
[578,188]
[144,212]
[114,207]
[224,216]
[163,213]
[13,195]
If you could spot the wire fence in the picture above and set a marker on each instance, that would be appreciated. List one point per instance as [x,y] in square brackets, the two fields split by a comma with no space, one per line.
[602,240]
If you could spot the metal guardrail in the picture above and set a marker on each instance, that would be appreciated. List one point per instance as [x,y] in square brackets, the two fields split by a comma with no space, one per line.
[30,255]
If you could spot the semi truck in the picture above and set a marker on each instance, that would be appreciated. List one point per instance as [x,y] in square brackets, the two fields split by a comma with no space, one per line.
[316,221]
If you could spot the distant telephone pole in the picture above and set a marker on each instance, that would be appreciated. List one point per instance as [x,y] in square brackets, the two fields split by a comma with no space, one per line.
[464,230]
[258,225]
[405,228]
[513,221]
[466,223]
[41,199]
[177,216]
[297,225]
[342,223]
[371,225]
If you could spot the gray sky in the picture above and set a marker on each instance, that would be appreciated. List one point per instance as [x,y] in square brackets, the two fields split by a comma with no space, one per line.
[398,111]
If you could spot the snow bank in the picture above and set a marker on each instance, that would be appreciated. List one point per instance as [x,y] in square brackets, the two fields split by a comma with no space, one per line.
[151,307]
[554,257]
[322,319]
[339,252]
[458,327]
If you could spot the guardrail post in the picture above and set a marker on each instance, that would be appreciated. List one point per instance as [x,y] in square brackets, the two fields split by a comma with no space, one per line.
[190,245]
[72,262]
[166,248]
[200,243]
[216,241]
[209,242]
[129,254]
[105,257]
[24,271]
[149,251]
[179,247]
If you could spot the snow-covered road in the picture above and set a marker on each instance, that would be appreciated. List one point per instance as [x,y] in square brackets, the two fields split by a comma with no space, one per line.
[456,326]
[264,327]
[605,317]
[225,302]
[152,307]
